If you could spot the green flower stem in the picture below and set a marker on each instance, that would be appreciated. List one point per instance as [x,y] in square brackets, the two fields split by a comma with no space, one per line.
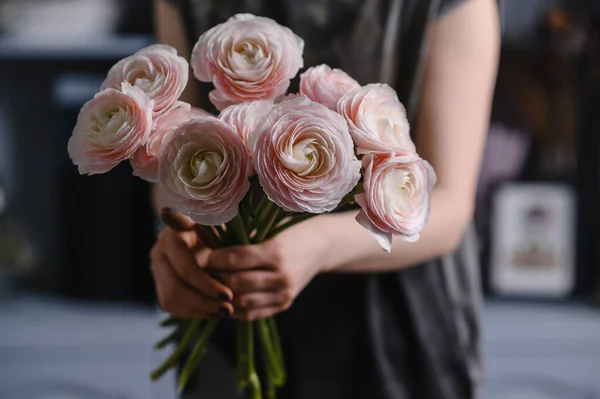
[247,377]
[270,383]
[276,341]
[349,198]
[249,348]
[241,357]
[295,220]
[170,321]
[265,227]
[173,337]
[255,387]
[197,354]
[176,355]
[262,208]
[246,211]
[237,225]
[269,353]
[254,381]
[281,216]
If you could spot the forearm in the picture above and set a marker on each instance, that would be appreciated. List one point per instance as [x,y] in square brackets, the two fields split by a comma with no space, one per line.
[170,30]
[352,249]
[458,84]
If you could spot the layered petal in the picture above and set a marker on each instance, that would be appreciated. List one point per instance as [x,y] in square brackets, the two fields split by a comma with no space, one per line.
[110,128]
[377,120]
[205,170]
[304,157]
[396,198]
[246,117]
[325,85]
[145,160]
[157,70]
[247,58]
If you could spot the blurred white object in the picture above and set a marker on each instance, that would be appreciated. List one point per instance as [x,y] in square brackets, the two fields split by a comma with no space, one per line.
[59,20]
[533,240]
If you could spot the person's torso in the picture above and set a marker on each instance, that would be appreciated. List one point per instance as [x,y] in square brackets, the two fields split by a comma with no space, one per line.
[400,335]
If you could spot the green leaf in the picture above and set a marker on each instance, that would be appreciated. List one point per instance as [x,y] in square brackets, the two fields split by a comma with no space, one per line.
[173,337]
[170,321]
[197,354]
[176,355]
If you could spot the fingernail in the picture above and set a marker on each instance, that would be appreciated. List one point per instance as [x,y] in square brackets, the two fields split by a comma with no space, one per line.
[224,297]
[224,311]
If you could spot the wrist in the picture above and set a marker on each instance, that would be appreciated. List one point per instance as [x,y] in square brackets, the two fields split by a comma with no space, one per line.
[329,239]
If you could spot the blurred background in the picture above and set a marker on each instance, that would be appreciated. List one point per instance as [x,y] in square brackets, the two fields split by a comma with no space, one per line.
[77,313]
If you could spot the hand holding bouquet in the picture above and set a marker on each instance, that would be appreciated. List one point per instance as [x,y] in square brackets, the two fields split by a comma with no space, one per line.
[268,161]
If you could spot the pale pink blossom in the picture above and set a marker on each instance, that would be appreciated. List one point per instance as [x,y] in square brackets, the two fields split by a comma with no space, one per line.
[325,85]
[396,198]
[145,160]
[110,128]
[377,120]
[244,118]
[247,58]
[205,170]
[304,157]
[157,70]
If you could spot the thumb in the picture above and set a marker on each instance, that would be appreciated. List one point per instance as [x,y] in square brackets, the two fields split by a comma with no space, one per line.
[176,220]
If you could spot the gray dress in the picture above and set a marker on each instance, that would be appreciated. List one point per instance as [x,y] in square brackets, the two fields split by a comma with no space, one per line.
[413,333]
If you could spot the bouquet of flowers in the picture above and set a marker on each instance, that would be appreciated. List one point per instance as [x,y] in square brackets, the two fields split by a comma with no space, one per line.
[269,160]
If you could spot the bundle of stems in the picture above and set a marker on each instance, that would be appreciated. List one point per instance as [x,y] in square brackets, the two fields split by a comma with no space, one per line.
[252,225]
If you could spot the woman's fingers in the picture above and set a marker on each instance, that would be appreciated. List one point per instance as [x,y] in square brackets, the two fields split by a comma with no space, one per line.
[176,220]
[252,281]
[257,313]
[241,257]
[255,300]
[179,299]
[257,293]
[184,263]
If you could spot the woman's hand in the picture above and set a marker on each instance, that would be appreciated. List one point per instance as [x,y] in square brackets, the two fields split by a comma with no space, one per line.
[266,278]
[184,288]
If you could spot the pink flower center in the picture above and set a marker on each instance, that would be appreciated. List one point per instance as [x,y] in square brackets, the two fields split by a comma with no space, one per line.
[204,166]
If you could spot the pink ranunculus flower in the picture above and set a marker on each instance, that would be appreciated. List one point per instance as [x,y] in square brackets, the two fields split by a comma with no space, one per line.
[247,58]
[377,120]
[205,170]
[145,160]
[396,198]
[245,117]
[110,128]
[325,85]
[304,157]
[157,70]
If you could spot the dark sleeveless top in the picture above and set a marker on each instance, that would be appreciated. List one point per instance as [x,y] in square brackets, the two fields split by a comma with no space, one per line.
[413,333]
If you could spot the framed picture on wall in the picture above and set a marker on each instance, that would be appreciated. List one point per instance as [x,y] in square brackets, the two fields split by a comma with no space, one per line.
[533,240]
